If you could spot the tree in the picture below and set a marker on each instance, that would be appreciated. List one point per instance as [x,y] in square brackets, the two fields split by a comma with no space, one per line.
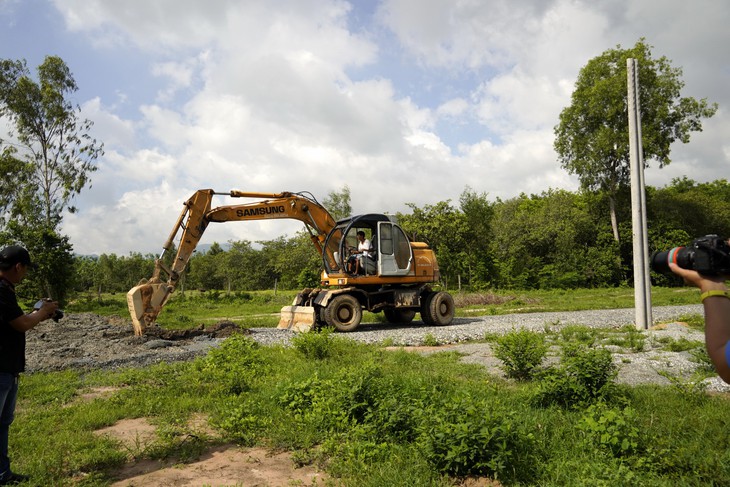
[445,229]
[479,213]
[50,138]
[46,159]
[592,137]
[338,204]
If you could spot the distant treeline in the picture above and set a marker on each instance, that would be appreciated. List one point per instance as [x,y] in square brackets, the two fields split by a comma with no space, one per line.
[556,239]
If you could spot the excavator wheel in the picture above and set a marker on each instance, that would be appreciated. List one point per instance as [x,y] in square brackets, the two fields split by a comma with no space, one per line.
[441,308]
[437,309]
[343,312]
[398,316]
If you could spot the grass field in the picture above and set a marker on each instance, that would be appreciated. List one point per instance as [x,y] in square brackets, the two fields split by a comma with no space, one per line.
[371,417]
[261,308]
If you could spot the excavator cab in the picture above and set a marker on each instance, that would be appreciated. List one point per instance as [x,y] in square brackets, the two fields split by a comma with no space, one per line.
[392,254]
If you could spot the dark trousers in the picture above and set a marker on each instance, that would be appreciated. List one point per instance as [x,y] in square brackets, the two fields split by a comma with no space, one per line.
[8,396]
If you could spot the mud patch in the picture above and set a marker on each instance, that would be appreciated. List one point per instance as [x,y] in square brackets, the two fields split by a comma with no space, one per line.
[222,329]
[89,341]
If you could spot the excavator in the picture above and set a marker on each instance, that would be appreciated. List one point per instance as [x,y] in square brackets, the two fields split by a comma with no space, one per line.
[396,279]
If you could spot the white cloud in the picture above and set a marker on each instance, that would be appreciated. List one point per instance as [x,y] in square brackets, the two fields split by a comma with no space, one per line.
[410,105]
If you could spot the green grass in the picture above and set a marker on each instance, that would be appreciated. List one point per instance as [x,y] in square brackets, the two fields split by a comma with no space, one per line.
[372,417]
[261,308]
[532,301]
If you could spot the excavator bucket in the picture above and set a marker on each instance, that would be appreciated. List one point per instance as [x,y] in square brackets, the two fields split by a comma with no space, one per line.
[145,301]
[297,318]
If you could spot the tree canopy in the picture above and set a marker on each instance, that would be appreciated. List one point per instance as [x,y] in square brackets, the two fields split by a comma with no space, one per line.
[592,138]
[46,159]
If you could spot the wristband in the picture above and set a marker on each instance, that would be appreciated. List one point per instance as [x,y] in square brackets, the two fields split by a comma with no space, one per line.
[714,292]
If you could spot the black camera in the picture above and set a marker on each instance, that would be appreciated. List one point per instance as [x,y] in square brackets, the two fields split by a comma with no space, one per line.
[56,316]
[708,255]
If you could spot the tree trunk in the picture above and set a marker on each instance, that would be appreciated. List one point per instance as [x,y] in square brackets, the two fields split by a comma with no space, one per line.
[614,222]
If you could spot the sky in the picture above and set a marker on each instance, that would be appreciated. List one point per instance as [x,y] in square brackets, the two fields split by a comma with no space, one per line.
[402,101]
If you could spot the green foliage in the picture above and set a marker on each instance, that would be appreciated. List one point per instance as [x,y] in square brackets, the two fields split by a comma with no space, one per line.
[244,424]
[338,203]
[614,430]
[52,253]
[430,341]
[580,334]
[315,345]
[629,337]
[591,137]
[59,152]
[371,417]
[584,376]
[475,436]
[234,366]
[682,344]
[521,352]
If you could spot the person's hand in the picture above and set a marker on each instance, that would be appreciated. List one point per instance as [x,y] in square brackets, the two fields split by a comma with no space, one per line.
[48,309]
[694,278]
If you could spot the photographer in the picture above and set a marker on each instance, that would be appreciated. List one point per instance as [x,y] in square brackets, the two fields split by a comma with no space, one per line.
[716,301]
[14,265]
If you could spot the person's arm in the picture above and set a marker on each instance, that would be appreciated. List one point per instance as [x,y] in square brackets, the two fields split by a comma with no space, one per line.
[27,322]
[717,316]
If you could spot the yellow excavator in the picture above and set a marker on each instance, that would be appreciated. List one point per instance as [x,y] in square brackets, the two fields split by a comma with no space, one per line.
[394,276]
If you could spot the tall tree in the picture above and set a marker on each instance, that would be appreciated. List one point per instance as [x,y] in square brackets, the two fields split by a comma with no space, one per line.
[47,136]
[592,137]
[46,159]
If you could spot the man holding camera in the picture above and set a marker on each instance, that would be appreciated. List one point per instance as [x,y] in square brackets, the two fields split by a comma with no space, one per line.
[716,301]
[14,265]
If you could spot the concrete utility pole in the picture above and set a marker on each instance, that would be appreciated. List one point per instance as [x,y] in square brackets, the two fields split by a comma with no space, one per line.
[642,283]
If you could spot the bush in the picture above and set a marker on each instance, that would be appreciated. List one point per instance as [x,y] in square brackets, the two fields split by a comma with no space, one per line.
[315,345]
[610,429]
[233,366]
[473,436]
[584,376]
[521,352]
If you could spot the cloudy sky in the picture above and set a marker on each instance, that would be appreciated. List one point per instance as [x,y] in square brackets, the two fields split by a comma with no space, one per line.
[404,101]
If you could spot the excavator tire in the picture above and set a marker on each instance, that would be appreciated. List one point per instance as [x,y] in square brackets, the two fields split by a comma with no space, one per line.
[441,309]
[343,312]
[437,309]
[399,316]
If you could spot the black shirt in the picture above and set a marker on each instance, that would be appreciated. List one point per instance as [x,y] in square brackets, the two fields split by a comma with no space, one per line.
[12,341]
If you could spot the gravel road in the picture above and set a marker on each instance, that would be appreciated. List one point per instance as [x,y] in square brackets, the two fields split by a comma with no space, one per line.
[90,341]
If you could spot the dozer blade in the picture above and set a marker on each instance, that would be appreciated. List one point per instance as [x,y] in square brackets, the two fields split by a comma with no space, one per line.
[297,318]
[145,301]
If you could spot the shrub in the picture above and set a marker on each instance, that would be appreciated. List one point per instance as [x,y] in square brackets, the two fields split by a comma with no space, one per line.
[610,429]
[316,345]
[473,436]
[521,352]
[583,377]
[243,425]
[233,366]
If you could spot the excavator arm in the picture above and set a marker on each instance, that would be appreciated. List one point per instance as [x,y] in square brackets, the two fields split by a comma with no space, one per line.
[146,299]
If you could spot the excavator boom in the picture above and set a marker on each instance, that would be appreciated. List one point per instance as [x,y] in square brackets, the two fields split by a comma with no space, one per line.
[146,299]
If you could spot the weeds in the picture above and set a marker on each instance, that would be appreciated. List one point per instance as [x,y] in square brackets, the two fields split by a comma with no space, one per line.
[521,352]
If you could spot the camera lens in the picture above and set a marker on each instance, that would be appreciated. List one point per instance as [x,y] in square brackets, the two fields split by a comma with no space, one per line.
[679,255]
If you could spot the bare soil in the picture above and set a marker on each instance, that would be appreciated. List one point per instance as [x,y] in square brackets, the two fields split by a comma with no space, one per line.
[222,465]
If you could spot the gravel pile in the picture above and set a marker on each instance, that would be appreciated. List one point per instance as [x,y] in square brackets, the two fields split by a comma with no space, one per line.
[90,341]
